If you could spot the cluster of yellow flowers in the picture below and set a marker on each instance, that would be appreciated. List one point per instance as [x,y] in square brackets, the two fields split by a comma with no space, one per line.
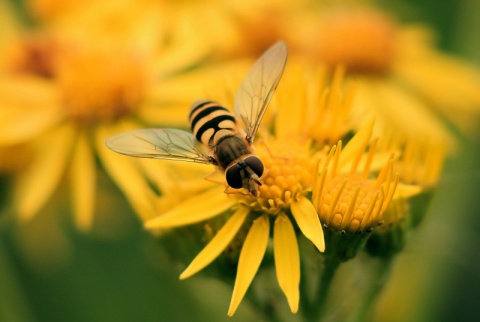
[352,132]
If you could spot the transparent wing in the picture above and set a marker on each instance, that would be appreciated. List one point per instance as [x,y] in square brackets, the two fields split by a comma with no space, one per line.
[257,88]
[170,144]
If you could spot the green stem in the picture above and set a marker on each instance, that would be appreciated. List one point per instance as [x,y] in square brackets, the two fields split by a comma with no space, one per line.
[315,309]
[376,286]
[13,304]
[265,309]
[305,303]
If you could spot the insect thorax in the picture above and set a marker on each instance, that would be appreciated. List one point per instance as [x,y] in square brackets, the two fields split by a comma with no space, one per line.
[230,149]
[210,122]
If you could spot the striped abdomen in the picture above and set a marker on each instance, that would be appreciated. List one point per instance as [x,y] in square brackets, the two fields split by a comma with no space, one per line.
[210,122]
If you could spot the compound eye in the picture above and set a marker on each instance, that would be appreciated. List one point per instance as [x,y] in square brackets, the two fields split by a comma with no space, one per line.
[234,177]
[255,164]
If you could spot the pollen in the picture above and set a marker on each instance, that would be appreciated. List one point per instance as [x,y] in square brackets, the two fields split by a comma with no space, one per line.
[100,86]
[361,40]
[289,166]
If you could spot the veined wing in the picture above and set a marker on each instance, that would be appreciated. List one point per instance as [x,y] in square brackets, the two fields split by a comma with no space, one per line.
[257,88]
[169,144]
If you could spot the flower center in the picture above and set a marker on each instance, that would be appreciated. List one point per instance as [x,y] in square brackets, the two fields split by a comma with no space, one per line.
[348,201]
[363,41]
[258,32]
[288,174]
[34,55]
[100,86]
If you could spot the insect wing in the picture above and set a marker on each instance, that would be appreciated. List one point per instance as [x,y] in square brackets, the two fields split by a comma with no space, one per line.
[257,88]
[170,144]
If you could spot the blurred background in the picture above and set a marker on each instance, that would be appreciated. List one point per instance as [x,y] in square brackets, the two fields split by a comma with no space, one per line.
[51,271]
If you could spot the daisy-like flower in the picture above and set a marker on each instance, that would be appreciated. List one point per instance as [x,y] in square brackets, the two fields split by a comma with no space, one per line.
[401,78]
[294,193]
[230,29]
[283,196]
[61,100]
[347,199]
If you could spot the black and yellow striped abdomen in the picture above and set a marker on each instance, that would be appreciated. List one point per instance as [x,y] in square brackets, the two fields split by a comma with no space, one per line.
[210,122]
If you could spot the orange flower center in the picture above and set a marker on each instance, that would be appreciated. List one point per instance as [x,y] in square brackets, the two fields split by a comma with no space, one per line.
[98,85]
[258,31]
[288,173]
[349,201]
[34,55]
[363,41]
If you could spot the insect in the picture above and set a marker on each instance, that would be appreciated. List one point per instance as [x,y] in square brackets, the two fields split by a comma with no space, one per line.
[217,139]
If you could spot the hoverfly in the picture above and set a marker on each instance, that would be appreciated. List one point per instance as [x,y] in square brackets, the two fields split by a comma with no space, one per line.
[216,138]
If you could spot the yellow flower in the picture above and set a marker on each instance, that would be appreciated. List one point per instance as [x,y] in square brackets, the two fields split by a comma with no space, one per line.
[283,197]
[345,198]
[229,29]
[401,78]
[61,99]
[294,190]
[108,21]
[420,164]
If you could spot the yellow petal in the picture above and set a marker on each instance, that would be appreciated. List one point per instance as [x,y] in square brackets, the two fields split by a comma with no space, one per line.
[195,209]
[308,222]
[178,179]
[356,145]
[218,243]
[38,182]
[250,259]
[287,260]
[455,89]
[289,121]
[399,111]
[184,55]
[125,172]
[83,175]
[407,190]
[171,115]
[11,27]
[28,107]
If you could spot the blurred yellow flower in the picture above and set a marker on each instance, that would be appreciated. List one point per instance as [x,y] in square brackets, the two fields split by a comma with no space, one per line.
[111,22]
[231,29]
[401,78]
[62,98]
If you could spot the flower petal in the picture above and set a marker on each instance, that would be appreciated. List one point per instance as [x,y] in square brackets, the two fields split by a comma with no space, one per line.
[356,145]
[25,116]
[251,257]
[407,190]
[287,260]
[399,112]
[308,222]
[39,181]
[195,209]
[126,174]
[11,26]
[218,243]
[455,89]
[83,173]
[171,115]
[289,121]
